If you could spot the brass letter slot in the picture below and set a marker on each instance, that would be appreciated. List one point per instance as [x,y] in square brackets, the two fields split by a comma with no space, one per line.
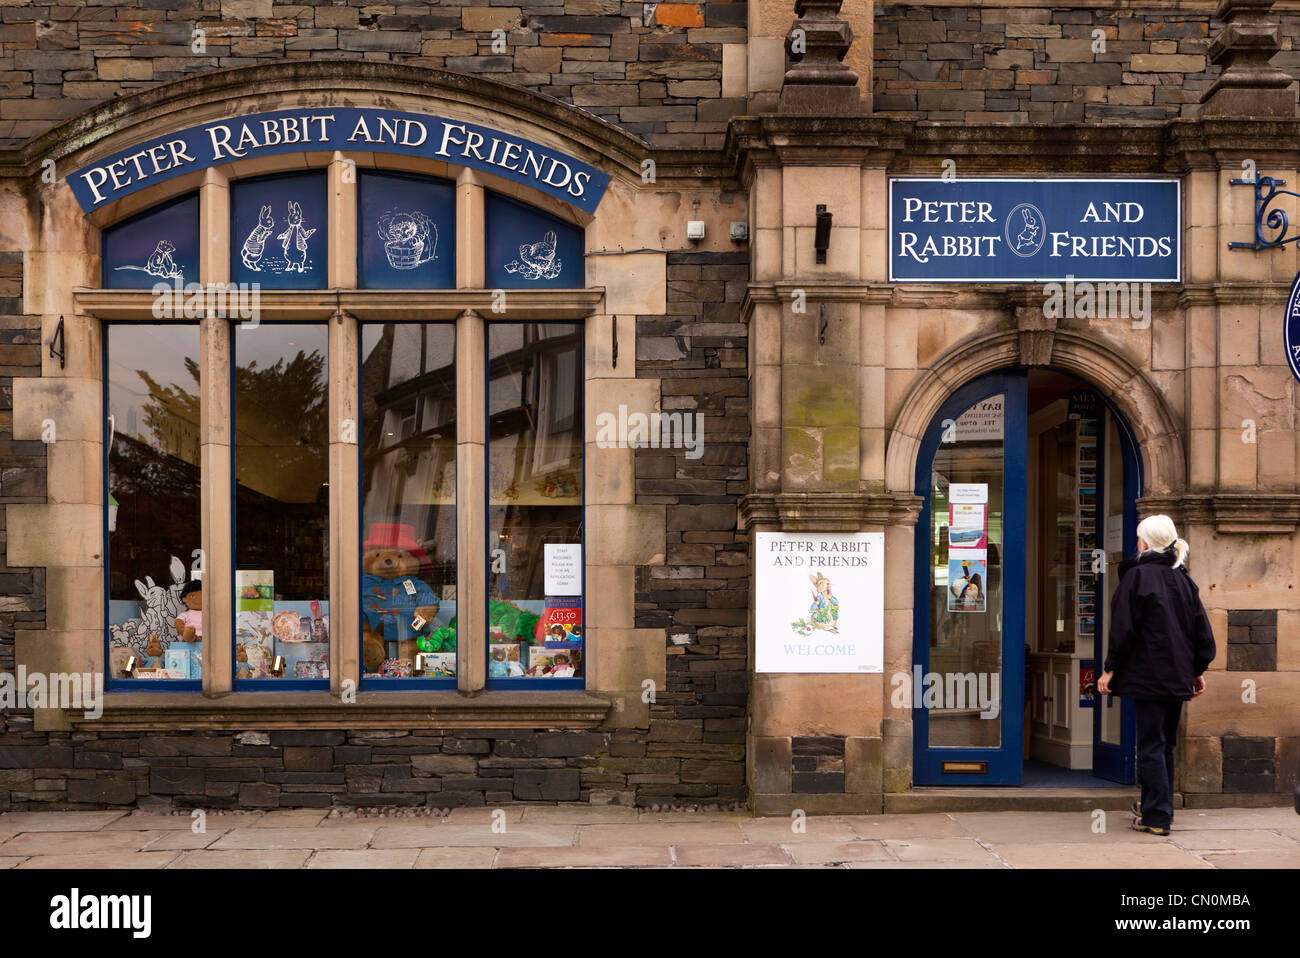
[968,768]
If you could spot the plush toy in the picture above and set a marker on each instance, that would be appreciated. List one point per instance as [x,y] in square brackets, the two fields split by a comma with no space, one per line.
[153,654]
[395,604]
[190,624]
[242,669]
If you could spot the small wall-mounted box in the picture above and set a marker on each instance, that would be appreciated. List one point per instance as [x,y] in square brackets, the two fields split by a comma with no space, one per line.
[739,232]
[695,230]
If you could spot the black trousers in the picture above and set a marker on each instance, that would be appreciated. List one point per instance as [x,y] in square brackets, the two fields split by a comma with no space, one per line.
[1157,735]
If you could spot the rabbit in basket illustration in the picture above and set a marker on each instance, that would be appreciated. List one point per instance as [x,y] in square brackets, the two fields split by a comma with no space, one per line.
[255,243]
[538,260]
[296,237]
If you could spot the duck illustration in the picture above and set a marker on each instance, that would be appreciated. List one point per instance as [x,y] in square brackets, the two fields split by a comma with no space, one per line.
[255,243]
[537,260]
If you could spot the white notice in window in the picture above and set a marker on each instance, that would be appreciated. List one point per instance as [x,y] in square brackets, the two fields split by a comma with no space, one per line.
[563,569]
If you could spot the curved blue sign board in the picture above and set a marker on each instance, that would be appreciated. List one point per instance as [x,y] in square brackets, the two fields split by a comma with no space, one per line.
[339,128]
[993,230]
[1291,328]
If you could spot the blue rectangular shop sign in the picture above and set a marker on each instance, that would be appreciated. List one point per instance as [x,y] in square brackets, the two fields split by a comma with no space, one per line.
[998,230]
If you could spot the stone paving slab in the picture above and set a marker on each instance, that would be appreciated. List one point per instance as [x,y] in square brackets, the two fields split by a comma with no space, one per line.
[817,853]
[470,836]
[933,865]
[730,855]
[243,858]
[623,856]
[146,822]
[1273,817]
[291,817]
[781,830]
[1049,827]
[102,860]
[77,843]
[5,836]
[355,836]
[57,821]
[572,815]
[364,858]
[908,826]
[662,833]
[456,858]
[510,814]
[938,849]
[1226,839]
[184,841]
[10,863]
[1157,854]
[1263,858]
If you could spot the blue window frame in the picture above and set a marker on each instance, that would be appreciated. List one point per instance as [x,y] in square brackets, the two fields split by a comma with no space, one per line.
[407,232]
[160,245]
[407,453]
[535,505]
[529,249]
[151,520]
[279,236]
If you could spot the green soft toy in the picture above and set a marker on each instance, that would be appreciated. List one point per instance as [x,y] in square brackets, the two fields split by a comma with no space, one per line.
[513,621]
[440,640]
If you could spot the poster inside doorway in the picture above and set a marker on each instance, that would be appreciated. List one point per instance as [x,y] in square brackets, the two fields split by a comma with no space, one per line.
[820,602]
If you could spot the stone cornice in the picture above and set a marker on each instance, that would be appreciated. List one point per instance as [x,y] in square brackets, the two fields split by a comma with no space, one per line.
[1234,294]
[828,511]
[1246,513]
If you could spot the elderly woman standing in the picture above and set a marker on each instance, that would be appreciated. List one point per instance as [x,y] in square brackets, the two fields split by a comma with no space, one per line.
[1160,644]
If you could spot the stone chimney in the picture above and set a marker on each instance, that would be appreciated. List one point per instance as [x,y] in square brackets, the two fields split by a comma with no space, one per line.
[819,81]
[1248,86]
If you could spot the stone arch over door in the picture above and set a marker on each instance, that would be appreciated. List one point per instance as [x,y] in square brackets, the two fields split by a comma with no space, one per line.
[1156,430]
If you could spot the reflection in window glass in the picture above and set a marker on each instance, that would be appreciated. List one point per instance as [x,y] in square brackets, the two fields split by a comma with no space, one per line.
[408,500]
[153,516]
[535,473]
[281,437]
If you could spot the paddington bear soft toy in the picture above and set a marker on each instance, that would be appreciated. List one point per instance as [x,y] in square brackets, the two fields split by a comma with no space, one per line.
[395,604]
[190,624]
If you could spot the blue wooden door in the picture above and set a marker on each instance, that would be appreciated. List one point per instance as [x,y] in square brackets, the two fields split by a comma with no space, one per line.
[968,671]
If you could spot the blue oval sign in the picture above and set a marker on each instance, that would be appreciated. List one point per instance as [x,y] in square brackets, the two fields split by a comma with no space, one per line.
[339,128]
[1291,328]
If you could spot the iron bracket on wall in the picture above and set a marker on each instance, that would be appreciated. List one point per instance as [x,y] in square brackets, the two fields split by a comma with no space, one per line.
[58,338]
[1266,190]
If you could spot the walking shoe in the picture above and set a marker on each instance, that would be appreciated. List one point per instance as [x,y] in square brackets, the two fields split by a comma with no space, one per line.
[1137,826]
[1136,809]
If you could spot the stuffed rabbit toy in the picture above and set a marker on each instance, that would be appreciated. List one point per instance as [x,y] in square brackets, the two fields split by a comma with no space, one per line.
[295,236]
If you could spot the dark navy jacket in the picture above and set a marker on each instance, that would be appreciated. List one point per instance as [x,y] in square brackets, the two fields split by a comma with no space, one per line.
[1160,637]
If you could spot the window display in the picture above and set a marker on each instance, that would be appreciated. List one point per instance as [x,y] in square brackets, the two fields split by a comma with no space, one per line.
[152,503]
[529,249]
[408,501]
[535,476]
[281,435]
[277,233]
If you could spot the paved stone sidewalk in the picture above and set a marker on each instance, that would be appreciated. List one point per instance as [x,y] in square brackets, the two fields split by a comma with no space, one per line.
[560,836]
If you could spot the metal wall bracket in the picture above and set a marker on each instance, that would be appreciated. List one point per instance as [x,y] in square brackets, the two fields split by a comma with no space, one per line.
[57,338]
[1275,220]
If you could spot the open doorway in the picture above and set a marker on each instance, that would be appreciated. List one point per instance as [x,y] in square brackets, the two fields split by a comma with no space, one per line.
[1030,480]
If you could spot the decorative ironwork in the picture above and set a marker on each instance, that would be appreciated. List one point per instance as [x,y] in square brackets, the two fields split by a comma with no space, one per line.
[1275,220]
[57,347]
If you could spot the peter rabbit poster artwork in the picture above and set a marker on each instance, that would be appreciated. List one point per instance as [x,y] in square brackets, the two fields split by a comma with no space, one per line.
[820,602]
[278,233]
[162,246]
[408,232]
[528,249]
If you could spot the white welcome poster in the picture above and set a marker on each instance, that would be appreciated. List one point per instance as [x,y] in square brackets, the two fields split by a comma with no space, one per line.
[820,602]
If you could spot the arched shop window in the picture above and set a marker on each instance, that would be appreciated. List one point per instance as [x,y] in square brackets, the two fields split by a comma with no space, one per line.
[275,384]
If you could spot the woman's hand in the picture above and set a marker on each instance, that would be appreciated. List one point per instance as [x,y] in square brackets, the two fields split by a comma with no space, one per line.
[1198,685]
[1103,683]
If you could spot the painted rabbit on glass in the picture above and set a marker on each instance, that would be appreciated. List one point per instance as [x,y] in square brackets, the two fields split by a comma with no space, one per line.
[255,243]
[295,240]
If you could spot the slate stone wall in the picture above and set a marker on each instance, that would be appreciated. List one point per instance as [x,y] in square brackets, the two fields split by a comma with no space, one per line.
[1037,65]
[662,82]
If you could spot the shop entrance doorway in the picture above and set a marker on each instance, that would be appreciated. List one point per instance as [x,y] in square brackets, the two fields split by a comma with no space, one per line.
[1030,480]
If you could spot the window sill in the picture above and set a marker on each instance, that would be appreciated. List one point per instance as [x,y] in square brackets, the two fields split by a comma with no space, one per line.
[321,710]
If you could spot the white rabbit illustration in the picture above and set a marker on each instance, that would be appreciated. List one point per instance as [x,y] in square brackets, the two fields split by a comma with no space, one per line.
[255,244]
[538,260]
[297,236]
[1027,236]
[162,606]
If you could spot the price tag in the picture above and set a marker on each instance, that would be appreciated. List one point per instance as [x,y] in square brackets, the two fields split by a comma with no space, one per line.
[409,585]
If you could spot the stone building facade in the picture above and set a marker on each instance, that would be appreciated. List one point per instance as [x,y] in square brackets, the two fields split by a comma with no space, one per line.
[814,417]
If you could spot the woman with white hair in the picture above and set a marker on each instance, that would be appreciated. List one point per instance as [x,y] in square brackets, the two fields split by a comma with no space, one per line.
[1160,646]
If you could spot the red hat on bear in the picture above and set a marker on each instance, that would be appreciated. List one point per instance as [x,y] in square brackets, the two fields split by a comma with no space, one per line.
[393,535]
